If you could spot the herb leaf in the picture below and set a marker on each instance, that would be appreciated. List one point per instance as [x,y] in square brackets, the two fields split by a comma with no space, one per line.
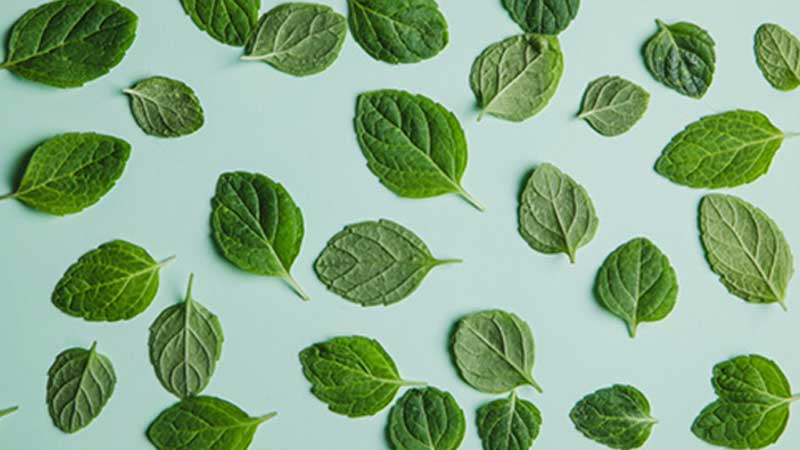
[778,56]
[613,105]
[426,419]
[115,281]
[7,411]
[494,351]
[352,374]
[228,21]
[414,145]
[746,249]
[67,43]
[298,38]
[514,79]
[722,150]
[79,384]
[637,283]
[185,345]
[166,108]
[509,420]
[257,225]
[681,57]
[556,214]
[398,31]
[542,16]
[204,423]
[617,417]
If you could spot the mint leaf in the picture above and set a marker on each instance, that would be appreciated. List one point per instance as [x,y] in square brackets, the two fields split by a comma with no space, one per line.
[257,225]
[746,249]
[353,375]
[426,419]
[116,281]
[637,283]
[228,21]
[494,351]
[298,38]
[509,424]
[681,57]
[555,213]
[71,172]
[204,423]
[617,417]
[398,31]
[166,108]
[613,105]
[778,56]
[67,43]
[185,345]
[375,263]
[514,79]
[415,146]
[7,411]
[79,384]
[542,16]
[722,150]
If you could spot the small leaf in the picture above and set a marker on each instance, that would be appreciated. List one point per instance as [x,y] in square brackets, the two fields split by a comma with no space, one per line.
[556,214]
[79,384]
[353,375]
[228,21]
[681,57]
[166,108]
[71,172]
[617,417]
[514,79]
[542,16]
[298,38]
[426,419]
[204,423]
[750,379]
[116,281]
[257,225]
[509,424]
[746,249]
[637,283]
[185,345]
[613,105]
[7,411]
[778,56]
[494,351]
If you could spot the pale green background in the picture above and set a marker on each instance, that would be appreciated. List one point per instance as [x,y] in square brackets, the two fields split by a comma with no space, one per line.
[299,132]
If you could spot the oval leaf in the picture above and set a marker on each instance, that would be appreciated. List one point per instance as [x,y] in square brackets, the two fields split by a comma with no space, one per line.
[166,108]
[542,16]
[79,384]
[509,424]
[426,419]
[617,417]
[751,379]
[613,105]
[681,57]
[778,56]
[228,21]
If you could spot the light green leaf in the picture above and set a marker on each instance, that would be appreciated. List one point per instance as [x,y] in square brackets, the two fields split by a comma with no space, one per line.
[509,424]
[542,16]
[613,105]
[751,379]
[7,411]
[166,108]
[778,56]
[617,417]
[228,21]
[681,57]
[426,419]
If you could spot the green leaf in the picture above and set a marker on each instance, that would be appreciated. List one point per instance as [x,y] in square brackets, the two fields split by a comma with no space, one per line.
[415,146]
[185,345]
[204,423]
[617,417]
[494,351]
[257,225]
[298,38]
[681,57]
[7,411]
[353,375]
[778,56]
[79,384]
[67,43]
[613,105]
[556,214]
[514,79]
[509,424]
[542,16]
[746,249]
[375,263]
[398,31]
[637,283]
[166,108]
[722,150]
[228,21]
[426,419]
[116,281]
[71,172]
[751,379]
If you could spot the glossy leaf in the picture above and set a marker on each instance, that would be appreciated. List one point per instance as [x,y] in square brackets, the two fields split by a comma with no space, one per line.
[166,108]
[613,105]
[617,417]
[228,21]
[426,419]
[681,56]
[509,424]
[778,56]
[542,16]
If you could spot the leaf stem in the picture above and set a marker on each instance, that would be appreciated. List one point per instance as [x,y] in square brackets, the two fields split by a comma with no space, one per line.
[266,417]
[534,384]
[472,200]
[783,305]
[129,91]
[439,262]
[632,329]
[413,383]
[252,58]
[296,286]
[7,411]
[189,288]
[480,115]
[7,196]
[794,398]
[166,261]
[791,134]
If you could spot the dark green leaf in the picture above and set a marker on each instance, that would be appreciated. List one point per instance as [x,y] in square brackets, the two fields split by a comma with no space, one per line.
[778,56]
[613,105]
[617,417]
[165,107]
[7,411]
[426,419]
[681,57]
[228,21]
[542,16]
[509,424]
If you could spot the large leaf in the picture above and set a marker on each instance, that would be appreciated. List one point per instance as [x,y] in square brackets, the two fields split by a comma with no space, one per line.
[426,419]
[778,56]
[542,16]
[681,57]
[617,417]
[228,21]
[509,424]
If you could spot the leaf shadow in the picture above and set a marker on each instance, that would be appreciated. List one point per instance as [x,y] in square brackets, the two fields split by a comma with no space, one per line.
[16,170]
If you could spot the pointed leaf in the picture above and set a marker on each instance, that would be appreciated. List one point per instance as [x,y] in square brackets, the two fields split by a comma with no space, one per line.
[681,57]
[166,108]
[509,424]
[426,419]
